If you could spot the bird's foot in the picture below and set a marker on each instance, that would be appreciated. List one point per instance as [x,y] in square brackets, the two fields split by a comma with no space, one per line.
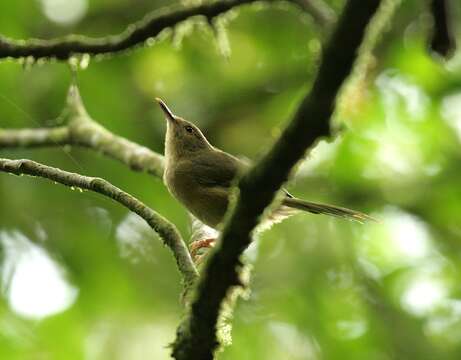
[197,245]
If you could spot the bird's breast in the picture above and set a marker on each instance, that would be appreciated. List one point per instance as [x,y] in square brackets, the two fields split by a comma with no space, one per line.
[206,203]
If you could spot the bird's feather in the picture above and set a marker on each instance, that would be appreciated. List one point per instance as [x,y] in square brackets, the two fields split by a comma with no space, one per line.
[206,172]
[318,208]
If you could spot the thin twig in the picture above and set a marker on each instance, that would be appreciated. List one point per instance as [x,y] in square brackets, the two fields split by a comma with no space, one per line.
[196,338]
[159,224]
[82,130]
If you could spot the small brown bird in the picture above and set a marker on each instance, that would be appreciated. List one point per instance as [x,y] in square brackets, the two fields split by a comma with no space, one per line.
[200,176]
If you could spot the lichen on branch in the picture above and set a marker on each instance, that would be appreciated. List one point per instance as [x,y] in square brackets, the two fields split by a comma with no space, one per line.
[80,129]
[135,34]
[167,231]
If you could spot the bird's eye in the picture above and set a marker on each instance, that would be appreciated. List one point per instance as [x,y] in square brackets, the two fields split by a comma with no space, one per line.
[189,129]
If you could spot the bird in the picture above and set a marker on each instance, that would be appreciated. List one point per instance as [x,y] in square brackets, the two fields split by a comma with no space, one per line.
[200,176]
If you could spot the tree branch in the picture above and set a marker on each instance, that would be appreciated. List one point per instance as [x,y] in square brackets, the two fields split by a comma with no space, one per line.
[159,224]
[82,130]
[34,137]
[135,34]
[196,338]
[443,39]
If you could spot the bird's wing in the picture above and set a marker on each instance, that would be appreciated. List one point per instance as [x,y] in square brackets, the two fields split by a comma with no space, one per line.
[216,168]
[208,173]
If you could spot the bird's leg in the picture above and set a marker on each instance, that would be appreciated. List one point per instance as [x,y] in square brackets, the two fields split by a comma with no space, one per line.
[195,247]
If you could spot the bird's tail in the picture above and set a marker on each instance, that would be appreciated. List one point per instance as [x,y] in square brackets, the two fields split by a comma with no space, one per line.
[317,208]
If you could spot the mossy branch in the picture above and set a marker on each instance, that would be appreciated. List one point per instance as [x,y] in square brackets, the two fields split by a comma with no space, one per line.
[82,130]
[135,34]
[159,224]
[196,337]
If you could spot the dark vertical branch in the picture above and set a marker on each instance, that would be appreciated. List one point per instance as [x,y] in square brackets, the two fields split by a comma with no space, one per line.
[196,337]
[443,39]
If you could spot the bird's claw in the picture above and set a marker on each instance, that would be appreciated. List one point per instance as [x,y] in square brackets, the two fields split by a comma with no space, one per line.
[197,245]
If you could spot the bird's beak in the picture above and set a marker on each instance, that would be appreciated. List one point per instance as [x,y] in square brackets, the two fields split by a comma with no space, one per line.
[169,115]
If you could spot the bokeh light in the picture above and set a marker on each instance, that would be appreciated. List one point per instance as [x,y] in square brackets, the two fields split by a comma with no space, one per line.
[64,12]
[34,283]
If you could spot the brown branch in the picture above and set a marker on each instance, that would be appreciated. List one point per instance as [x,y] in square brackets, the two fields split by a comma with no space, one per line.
[82,130]
[196,338]
[159,224]
[443,38]
[135,34]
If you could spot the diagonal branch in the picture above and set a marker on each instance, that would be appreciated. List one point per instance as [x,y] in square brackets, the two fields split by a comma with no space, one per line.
[159,224]
[82,130]
[135,34]
[196,338]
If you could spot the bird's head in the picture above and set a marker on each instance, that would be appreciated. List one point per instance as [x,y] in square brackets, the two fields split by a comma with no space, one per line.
[182,137]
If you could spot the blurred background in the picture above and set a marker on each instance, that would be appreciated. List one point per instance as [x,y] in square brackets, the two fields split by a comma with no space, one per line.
[82,278]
